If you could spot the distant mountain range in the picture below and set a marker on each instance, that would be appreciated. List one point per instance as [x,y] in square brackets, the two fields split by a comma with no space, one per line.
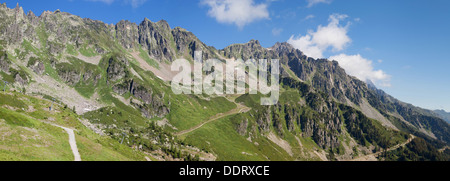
[444,115]
[112,83]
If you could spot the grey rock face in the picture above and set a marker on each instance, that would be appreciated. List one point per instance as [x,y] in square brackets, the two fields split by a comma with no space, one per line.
[153,105]
[155,37]
[22,81]
[242,127]
[4,62]
[38,67]
[127,34]
[117,68]
[71,77]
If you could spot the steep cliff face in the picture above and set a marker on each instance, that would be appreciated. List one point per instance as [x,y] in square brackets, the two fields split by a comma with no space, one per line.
[4,61]
[318,117]
[187,43]
[157,39]
[117,68]
[127,34]
[151,105]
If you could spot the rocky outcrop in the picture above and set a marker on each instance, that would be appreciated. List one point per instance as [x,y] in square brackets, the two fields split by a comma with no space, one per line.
[152,104]
[127,34]
[4,62]
[117,68]
[250,50]
[89,74]
[264,120]
[155,37]
[36,65]
[292,117]
[242,127]
[70,76]
[187,43]
[21,80]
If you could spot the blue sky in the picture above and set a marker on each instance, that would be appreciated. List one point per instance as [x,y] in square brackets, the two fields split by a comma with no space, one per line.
[402,45]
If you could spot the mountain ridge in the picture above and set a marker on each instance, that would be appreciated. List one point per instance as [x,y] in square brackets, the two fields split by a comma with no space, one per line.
[103,65]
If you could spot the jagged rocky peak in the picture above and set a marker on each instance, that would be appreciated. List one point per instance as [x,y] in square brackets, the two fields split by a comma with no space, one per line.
[19,13]
[31,14]
[284,46]
[164,24]
[249,50]
[18,9]
[156,38]
[180,29]
[253,43]
[127,33]
[161,24]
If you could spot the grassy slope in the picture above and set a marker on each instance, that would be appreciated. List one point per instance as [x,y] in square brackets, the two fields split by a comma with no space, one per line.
[221,138]
[27,136]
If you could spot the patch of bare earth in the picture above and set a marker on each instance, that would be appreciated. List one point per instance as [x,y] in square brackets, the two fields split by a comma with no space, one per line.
[164,72]
[371,112]
[164,122]
[93,127]
[280,142]
[322,155]
[92,60]
[68,95]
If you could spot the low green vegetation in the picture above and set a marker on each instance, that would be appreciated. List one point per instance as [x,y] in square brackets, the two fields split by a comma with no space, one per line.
[87,51]
[144,55]
[417,150]
[28,133]
[221,138]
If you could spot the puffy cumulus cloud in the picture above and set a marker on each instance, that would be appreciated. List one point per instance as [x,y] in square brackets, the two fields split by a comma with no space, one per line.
[238,12]
[362,68]
[311,3]
[305,44]
[333,35]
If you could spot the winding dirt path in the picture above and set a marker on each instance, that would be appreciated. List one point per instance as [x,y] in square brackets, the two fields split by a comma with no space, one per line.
[373,156]
[239,109]
[72,142]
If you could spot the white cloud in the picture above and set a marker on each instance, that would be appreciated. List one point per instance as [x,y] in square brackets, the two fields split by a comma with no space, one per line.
[277,31]
[362,68]
[316,42]
[136,3]
[306,45]
[311,3]
[239,12]
[311,16]
[334,37]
